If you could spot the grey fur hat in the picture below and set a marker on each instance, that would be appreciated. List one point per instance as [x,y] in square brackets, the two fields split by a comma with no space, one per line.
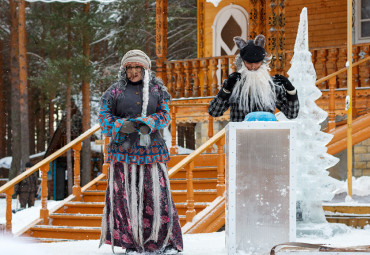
[136,56]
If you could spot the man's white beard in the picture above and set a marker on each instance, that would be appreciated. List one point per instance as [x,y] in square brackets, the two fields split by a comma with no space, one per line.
[254,90]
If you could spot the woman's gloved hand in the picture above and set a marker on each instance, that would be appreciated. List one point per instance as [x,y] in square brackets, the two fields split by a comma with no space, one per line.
[282,80]
[144,129]
[127,127]
[231,81]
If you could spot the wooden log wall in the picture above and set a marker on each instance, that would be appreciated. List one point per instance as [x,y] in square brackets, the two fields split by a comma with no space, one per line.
[327,21]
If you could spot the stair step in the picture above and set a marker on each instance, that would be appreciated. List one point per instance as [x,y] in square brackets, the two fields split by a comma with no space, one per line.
[100,185]
[82,207]
[206,159]
[200,183]
[178,195]
[352,221]
[81,220]
[63,232]
[182,207]
[199,195]
[52,240]
[361,209]
[94,196]
[198,172]
[179,183]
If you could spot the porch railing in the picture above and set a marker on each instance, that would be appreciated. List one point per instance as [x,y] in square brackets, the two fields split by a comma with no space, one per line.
[43,166]
[203,76]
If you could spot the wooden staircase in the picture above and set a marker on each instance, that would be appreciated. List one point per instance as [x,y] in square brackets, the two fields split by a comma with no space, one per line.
[82,220]
[354,216]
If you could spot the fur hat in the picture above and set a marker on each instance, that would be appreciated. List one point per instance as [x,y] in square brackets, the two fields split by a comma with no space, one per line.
[252,51]
[136,56]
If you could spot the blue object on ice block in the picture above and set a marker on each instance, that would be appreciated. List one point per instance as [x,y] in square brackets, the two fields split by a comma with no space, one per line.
[260,116]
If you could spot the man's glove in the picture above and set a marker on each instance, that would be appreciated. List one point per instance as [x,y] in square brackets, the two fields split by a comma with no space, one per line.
[231,80]
[282,80]
[127,127]
[144,129]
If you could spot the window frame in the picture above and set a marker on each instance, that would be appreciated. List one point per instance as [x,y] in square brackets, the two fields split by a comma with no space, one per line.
[358,38]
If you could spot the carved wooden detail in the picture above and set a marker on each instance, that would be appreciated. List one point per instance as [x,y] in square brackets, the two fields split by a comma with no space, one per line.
[275,11]
[161,38]
[200,19]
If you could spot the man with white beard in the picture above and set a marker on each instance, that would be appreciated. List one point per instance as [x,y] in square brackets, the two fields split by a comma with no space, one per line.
[251,88]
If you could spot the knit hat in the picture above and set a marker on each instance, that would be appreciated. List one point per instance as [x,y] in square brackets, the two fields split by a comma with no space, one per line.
[29,164]
[136,56]
[252,51]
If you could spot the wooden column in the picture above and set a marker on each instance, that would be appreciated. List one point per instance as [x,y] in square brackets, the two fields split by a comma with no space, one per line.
[224,69]
[25,136]
[190,212]
[8,224]
[220,167]
[187,70]
[77,177]
[200,30]
[161,38]
[170,85]
[205,77]
[105,165]
[332,85]
[179,92]
[232,64]
[44,212]
[174,149]
[214,64]
[196,87]
[210,130]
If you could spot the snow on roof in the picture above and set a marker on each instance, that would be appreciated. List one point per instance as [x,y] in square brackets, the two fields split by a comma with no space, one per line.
[214,2]
[7,161]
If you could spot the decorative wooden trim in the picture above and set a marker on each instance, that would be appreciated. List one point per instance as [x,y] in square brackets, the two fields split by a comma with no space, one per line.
[275,25]
[200,20]
[190,212]
[44,212]
[77,176]
[161,38]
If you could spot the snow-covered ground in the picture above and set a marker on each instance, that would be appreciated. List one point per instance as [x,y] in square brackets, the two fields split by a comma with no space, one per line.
[195,244]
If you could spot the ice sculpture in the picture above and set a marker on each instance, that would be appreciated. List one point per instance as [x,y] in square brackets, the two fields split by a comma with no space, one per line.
[313,181]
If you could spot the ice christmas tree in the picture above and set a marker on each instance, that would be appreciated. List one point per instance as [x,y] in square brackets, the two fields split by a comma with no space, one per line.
[313,181]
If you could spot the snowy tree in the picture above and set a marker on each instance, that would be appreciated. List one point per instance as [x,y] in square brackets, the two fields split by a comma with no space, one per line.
[313,181]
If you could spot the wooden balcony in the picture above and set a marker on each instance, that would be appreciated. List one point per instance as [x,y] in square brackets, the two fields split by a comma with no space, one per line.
[193,81]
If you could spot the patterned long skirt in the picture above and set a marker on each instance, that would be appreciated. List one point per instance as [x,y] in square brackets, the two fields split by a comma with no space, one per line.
[139,204]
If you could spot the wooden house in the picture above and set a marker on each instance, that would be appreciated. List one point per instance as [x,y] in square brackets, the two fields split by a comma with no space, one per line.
[198,80]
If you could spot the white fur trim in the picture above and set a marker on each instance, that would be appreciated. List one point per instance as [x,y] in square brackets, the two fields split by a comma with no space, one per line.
[156,204]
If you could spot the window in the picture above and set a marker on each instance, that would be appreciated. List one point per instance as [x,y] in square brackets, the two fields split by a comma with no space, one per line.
[362,21]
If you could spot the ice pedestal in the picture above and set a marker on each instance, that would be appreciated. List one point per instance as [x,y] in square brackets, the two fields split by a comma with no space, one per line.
[260,186]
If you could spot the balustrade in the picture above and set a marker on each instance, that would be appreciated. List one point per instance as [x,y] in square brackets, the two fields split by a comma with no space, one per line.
[43,166]
[174,110]
[203,76]
[198,77]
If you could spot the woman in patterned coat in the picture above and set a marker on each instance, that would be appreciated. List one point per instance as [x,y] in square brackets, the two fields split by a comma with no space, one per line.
[139,214]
